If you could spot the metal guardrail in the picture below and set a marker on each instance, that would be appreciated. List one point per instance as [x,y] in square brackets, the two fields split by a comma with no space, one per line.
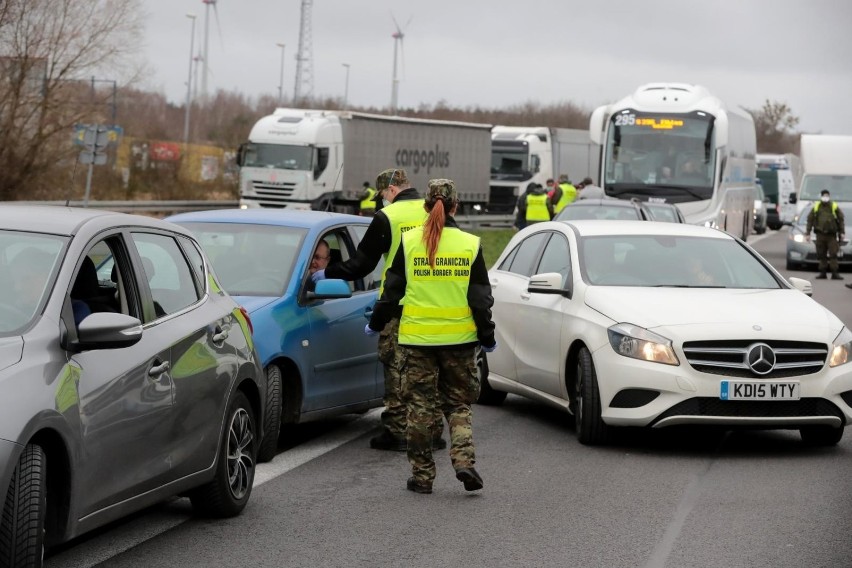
[467,221]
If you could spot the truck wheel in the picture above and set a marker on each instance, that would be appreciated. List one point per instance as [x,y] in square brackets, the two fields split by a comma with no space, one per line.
[487,395]
[24,510]
[228,492]
[591,429]
[271,415]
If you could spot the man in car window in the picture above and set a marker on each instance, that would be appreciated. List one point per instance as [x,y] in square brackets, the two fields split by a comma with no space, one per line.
[320,259]
[403,210]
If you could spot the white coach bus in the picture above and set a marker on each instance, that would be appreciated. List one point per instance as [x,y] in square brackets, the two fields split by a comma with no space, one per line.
[677,143]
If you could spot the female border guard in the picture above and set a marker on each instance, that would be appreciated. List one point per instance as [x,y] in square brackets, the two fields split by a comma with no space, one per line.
[446,314]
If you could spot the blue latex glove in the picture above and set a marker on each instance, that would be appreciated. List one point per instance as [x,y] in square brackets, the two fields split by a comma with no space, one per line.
[318,275]
[490,349]
[370,331]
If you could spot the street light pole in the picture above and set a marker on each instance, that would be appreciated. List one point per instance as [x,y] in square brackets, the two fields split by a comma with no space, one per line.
[189,82]
[281,77]
[346,90]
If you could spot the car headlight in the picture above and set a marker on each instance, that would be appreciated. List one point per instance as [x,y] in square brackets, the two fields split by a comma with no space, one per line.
[842,348]
[797,237]
[639,343]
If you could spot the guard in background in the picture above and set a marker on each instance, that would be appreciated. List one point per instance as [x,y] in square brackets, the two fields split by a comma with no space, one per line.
[367,206]
[402,211]
[564,194]
[535,206]
[446,315]
[826,219]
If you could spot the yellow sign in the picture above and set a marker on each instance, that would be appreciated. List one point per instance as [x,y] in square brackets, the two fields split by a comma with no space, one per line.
[661,124]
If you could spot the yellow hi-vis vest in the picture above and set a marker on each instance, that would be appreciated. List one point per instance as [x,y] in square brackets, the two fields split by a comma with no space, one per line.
[368,202]
[537,207]
[403,216]
[435,311]
[569,194]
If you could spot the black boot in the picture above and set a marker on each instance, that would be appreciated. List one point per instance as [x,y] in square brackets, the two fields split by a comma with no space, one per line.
[836,276]
[471,479]
[821,276]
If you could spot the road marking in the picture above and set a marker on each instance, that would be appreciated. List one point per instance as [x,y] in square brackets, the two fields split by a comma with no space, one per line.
[126,535]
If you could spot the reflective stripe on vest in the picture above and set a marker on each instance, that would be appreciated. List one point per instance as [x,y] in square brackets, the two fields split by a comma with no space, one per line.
[435,310]
[537,207]
[369,202]
[403,216]
[569,194]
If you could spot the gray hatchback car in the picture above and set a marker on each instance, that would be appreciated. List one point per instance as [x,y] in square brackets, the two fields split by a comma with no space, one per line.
[127,375]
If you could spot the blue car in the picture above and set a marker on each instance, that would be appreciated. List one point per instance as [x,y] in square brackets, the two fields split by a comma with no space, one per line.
[310,339]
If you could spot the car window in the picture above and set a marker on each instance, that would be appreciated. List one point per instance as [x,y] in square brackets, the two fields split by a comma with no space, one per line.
[374,279]
[28,265]
[556,258]
[168,273]
[102,285]
[250,260]
[577,212]
[526,255]
[336,244]
[196,261]
[662,213]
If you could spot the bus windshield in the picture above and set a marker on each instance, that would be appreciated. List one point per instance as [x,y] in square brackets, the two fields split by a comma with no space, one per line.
[668,156]
[279,156]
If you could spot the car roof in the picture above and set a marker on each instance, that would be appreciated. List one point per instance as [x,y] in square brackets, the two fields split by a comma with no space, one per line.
[257,216]
[596,228]
[58,220]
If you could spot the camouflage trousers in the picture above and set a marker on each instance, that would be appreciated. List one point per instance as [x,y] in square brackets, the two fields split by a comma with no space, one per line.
[826,251]
[394,417]
[445,380]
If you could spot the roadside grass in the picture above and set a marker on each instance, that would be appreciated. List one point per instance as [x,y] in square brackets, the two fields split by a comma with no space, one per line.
[493,243]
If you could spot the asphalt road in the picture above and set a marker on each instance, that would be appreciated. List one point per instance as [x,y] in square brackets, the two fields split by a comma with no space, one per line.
[671,498]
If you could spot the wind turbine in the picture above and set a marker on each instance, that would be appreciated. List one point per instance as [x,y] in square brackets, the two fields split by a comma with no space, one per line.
[398,36]
[205,59]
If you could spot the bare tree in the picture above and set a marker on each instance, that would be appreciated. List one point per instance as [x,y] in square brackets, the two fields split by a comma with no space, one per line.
[775,126]
[49,53]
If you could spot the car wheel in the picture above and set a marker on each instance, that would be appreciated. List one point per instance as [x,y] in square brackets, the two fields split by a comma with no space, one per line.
[760,230]
[22,523]
[591,429]
[228,492]
[271,415]
[821,435]
[487,395]
[792,265]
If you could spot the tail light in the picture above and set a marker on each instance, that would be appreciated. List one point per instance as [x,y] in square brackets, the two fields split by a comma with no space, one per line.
[248,319]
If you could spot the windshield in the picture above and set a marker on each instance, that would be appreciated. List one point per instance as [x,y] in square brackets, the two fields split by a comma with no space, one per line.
[574,212]
[662,212]
[250,260]
[278,156]
[669,156]
[28,262]
[510,161]
[840,187]
[682,262]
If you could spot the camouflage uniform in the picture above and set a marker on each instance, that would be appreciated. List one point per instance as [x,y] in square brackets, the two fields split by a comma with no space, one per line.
[444,379]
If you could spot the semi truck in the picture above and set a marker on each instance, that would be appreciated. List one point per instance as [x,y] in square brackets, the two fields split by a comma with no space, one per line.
[827,163]
[521,155]
[318,159]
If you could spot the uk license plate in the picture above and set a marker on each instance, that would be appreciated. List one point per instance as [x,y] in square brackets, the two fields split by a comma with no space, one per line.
[759,390]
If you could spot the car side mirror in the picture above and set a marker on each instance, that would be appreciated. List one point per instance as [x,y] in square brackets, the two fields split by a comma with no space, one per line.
[548,283]
[329,289]
[792,199]
[106,330]
[802,285]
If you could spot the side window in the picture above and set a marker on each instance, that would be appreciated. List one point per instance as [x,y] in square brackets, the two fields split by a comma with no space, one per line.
[556,258]
[507,262]
[168,274]
[374,279]
[104,281]
[196,260]
[527,254]
[330,249]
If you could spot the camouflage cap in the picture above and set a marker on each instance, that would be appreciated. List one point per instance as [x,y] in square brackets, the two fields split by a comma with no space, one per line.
[445,188]
[391,176]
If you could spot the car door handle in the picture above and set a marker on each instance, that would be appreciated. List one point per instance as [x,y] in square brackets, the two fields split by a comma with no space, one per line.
[220,335]
[494,283]
[525,296]
[368,313]
[159,369]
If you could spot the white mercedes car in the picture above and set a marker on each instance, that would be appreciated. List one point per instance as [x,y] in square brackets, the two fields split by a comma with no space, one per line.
[637,323]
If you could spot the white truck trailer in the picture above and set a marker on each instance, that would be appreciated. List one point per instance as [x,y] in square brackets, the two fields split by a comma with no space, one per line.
[827,163]
[521,155]
[315,159]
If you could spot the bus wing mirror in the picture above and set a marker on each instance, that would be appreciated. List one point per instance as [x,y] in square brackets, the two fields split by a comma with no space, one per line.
[792,199]
[596,125]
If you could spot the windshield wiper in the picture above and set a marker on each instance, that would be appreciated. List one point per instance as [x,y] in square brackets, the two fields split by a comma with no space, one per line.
[651,190]
[688,286]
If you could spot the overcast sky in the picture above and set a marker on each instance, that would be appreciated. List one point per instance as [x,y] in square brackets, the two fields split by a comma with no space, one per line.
[498,53]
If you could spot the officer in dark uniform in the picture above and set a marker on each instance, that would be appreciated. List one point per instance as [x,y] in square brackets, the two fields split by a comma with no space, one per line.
[403,211]
[827,221]
[446,315]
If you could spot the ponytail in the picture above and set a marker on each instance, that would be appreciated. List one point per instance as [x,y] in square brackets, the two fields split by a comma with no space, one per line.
[433,227]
